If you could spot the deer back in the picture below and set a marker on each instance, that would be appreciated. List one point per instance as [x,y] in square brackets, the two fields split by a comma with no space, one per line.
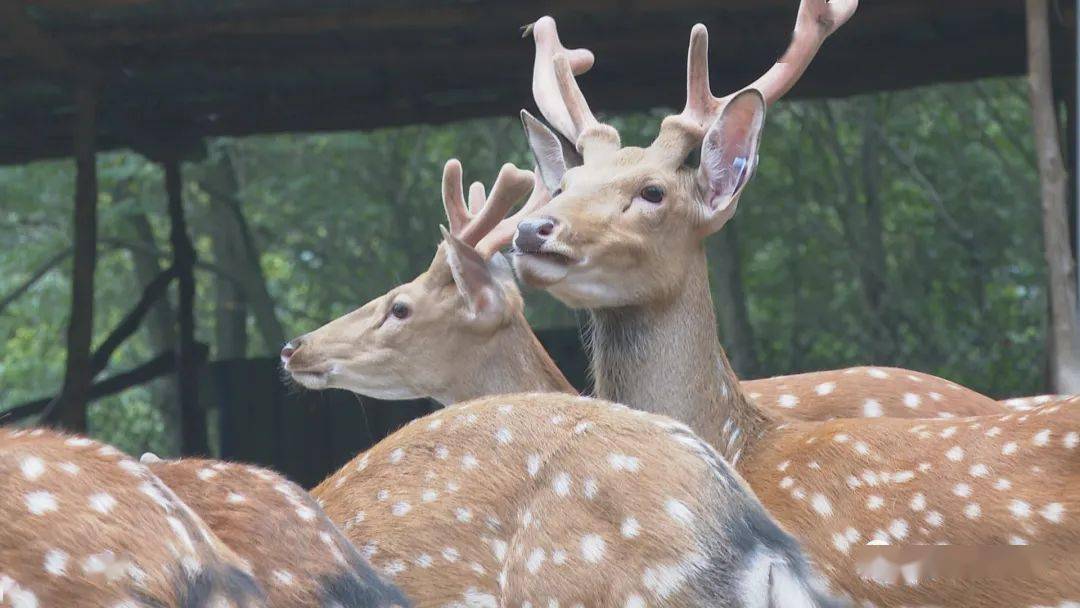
[548,499]
[85,525]
[299,556]
[867,392]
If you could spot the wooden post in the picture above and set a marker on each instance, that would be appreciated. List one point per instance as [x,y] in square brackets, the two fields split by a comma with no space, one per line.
[1064,337]
[192,415]
[69,409]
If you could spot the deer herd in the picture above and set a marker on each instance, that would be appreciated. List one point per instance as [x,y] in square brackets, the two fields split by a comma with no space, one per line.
[676,485]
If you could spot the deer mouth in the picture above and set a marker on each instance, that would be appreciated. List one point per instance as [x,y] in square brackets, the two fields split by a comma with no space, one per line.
[542,269]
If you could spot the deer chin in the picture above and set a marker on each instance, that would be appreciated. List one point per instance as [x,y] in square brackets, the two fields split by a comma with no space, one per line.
[311,380]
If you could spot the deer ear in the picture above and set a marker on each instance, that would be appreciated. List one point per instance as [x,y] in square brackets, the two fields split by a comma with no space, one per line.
[729,156]
[553,154]
[474,279]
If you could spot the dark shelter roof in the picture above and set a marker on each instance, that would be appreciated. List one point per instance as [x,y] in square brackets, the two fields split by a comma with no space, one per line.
[172,71]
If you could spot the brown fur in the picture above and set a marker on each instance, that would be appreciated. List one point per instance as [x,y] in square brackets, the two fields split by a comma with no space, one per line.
[906,471]
[525,498]
[281,533]
[107,528]
[867,392]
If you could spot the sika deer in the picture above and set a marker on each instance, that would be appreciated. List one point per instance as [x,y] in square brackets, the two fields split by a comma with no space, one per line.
[409,342]
[281,533]
[556,500]
[623,238]
[83,525]
[403,344]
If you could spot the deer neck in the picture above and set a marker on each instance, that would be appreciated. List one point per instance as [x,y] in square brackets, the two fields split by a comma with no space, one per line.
[515,362]
[666,358]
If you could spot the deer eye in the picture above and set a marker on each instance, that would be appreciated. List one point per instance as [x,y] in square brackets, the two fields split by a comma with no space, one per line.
[400,310]
[653,194]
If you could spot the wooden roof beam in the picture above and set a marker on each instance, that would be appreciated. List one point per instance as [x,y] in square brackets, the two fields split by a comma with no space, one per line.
[29,41]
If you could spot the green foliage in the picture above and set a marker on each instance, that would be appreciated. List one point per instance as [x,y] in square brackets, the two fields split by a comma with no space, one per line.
[899,228]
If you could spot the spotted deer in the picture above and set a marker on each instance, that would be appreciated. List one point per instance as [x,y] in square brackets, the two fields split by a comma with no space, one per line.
[84,525]
[402,345]
[547,499]
[285,539]
[623,237]
[528,499]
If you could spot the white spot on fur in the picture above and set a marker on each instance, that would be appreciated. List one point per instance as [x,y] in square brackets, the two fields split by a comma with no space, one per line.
[955,453]
[40,503]
[503,435]
[622,462]
[69,467]
[1042,438]
[872,409]
[1020,509]
[821,504]
[32,467]
[972,510]
[935,519]
[898,529]
[561,484]
[102,502]
[1009,448]
[918,502]
[532,464]
[536,559]
[1072,439]
[590,488]
[630,527]
[56,562]
[787,401]
[962,490]
[469,462]
[678,511]
[912,401]
[874,502]
[1053,512]
[873,372]
[841,437]
[451,554]
[401,508]
[592,548]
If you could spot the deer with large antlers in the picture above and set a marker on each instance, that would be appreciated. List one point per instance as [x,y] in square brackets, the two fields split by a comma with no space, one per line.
[540,499]
[282,535]
[84,525]
[623,238]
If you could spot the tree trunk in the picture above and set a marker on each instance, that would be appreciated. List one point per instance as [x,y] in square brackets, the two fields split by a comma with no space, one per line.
[192,415]
[734,316]
[1063,338]
[160,331]
[227,240]
[69,410]
[240,257]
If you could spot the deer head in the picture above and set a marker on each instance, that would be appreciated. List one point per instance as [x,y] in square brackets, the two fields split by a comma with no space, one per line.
[406,343]
[626,224]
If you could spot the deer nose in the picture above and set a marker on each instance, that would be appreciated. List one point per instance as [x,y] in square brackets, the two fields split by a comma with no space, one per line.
[288,350]
[533,233]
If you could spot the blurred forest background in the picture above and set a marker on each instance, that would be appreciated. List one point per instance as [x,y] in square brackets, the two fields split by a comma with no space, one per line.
[894,229]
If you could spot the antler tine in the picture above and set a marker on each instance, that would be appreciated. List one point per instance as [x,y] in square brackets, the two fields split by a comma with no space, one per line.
[503,233]
[510,186]
[477,197]
[817,19]
[545,86]
[453,197]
